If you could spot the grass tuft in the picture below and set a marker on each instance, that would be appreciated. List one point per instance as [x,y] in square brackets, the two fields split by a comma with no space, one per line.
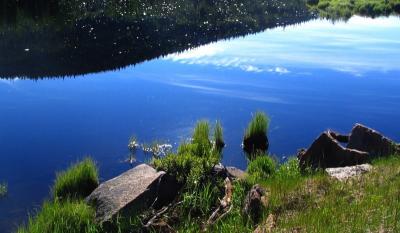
[201,135]
[3,189]
[255,139]
[258,125]
[78,181]
[61,217]
[218,137]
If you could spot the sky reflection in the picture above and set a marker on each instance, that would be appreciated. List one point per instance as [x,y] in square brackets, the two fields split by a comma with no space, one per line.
[358,46]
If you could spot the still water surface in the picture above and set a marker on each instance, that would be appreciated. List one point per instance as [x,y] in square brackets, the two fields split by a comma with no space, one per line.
[307,77]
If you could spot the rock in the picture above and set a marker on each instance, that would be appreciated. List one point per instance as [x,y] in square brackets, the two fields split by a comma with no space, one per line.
[326,152]
[363,144]
[236,173]
[267,226]
[254,203]
[365,139]
[231,172]
[344,173]
[132,191]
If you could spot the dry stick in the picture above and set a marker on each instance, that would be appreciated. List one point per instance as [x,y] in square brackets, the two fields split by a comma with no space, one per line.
[159,213]
[224,203]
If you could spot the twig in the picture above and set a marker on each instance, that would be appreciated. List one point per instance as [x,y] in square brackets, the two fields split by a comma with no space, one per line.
[157,215]
[222,209]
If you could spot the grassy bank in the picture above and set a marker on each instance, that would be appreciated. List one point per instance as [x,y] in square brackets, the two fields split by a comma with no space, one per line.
[370,203]
[347,8]
[66,211]
[297,201]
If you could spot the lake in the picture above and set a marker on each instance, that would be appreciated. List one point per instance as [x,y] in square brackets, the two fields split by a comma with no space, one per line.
[85,87]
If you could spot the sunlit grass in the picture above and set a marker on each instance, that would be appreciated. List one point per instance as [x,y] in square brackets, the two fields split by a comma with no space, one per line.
[62,217]
[317,203]
[78,181]
[261,168]
[258,125]
[201,134]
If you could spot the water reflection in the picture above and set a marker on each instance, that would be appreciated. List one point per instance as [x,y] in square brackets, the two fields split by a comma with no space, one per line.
[357,46]
[67,38]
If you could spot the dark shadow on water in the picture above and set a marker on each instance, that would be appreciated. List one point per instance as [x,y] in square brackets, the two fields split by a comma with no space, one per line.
[42,39]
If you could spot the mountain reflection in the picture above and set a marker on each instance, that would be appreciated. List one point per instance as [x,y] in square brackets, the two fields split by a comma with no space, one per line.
[50,38]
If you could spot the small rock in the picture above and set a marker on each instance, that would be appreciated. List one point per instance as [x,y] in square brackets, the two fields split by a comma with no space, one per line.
[254,203]
[134,190]
[267,226]
[231,172]
[344,173]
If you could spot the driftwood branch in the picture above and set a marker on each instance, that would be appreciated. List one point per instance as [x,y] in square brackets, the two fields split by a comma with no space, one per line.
[224,207]
[156,216]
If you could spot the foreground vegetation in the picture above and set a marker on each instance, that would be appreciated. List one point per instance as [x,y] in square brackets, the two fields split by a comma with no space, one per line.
[62,217]
[67,212]
[369,203]
[297,201]
[346,8]
[77,182]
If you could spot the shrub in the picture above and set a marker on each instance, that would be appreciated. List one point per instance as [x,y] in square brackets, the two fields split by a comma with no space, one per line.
[57,217]
[201,199]
[218,137]
[255,138]
[194,161]
[3,189]
[289,169]
[78,181]
[261,168]
[186,166]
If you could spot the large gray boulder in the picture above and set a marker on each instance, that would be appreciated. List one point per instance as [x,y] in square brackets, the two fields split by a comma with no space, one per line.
[131,192]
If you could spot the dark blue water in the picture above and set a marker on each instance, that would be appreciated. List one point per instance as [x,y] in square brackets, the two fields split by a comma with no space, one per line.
[308,78]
